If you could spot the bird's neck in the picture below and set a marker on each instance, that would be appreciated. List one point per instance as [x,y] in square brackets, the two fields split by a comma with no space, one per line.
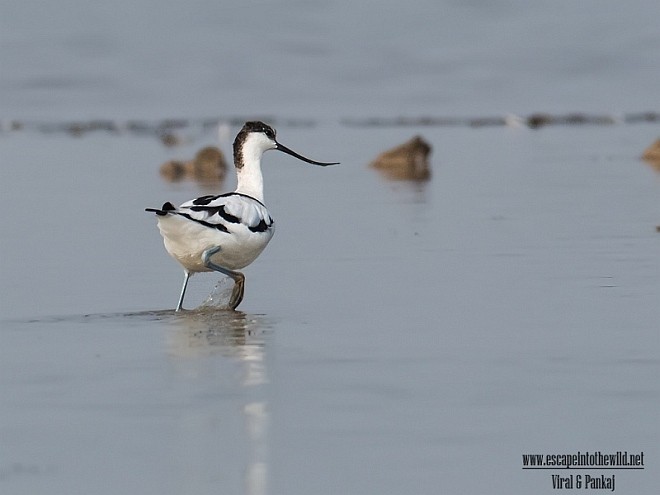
[250,181]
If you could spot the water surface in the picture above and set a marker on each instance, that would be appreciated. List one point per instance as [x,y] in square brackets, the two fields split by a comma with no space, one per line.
[395,337]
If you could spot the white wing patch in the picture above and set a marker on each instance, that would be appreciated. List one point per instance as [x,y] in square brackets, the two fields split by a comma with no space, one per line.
[226,211]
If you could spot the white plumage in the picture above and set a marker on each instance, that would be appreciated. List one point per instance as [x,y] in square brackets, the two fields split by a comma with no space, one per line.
[192,228]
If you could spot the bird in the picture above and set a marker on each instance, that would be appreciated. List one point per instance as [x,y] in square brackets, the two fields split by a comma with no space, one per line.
[226,232]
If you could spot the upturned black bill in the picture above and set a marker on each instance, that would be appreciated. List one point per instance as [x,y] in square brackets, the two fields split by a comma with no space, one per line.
[300,157]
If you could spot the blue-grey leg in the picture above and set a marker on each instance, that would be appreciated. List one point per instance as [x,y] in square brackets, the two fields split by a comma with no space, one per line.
[186,276]
[238,277]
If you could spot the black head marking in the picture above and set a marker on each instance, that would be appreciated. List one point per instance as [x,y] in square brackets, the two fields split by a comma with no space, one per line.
[249,127]
[257,126]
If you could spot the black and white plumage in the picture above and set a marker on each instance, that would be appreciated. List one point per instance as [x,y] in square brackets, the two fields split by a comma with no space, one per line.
[226,232]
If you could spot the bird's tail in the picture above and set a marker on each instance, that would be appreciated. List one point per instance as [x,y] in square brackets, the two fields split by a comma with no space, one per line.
[164,210]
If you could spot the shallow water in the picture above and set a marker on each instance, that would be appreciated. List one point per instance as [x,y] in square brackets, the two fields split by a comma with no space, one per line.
[422,338]
[395,337]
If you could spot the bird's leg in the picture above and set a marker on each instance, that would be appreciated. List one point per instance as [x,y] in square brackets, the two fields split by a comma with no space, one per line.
[186,276]
[237,277]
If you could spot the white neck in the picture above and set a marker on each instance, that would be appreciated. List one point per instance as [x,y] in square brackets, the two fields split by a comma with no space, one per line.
[250,181]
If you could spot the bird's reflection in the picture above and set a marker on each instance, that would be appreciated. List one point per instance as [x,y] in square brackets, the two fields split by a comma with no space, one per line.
[208,333]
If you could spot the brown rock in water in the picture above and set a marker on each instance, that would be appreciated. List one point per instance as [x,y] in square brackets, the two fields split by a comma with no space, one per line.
[653,151]
[652,155]
[173,170]
[537,120]
[408,161]
[170,139]
[208,166]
